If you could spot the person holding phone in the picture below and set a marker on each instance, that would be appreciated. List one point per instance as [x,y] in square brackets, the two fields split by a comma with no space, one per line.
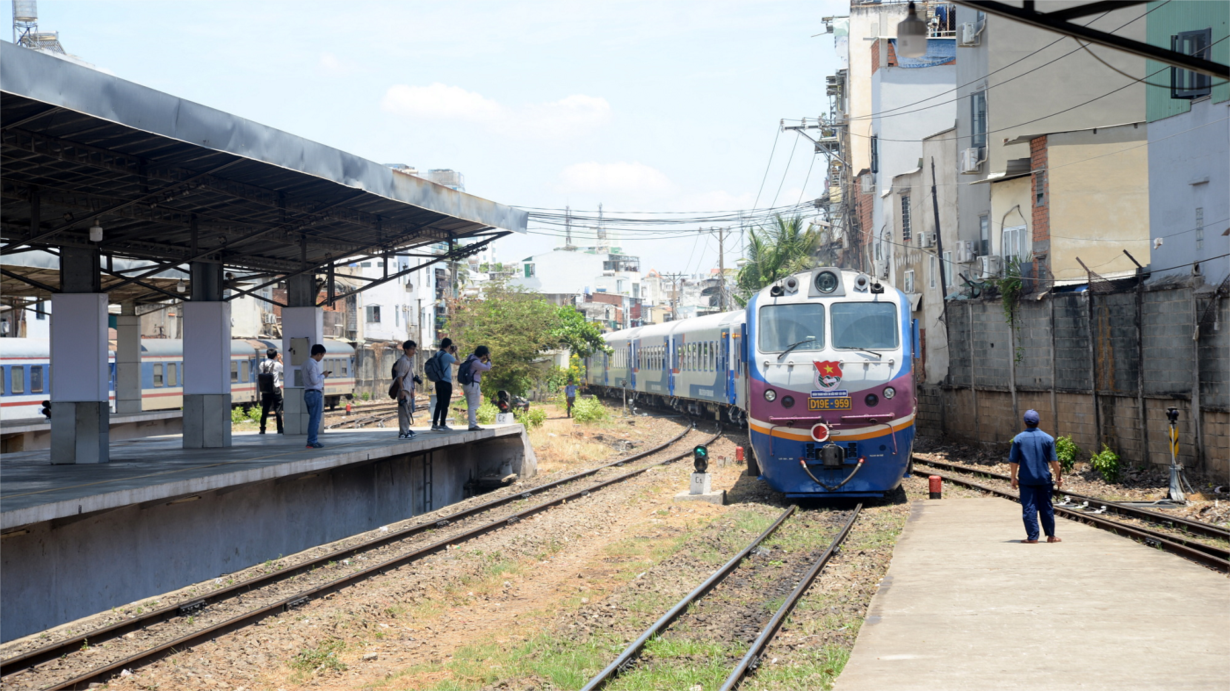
[314,394]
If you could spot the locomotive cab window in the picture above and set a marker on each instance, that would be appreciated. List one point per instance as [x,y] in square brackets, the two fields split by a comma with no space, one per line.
[867,325]
[782,326]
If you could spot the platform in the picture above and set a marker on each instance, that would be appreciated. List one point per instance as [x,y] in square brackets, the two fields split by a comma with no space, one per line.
[78,539]
[35,433]
[965,606]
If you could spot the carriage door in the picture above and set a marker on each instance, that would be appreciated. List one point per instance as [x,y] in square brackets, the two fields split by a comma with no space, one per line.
[676,343]
[632,363]
[728,365]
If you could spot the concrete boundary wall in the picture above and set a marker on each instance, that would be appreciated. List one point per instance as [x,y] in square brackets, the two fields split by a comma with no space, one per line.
[71,567]
[1136,346]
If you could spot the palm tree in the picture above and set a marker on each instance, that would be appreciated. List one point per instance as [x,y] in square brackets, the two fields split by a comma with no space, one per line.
[786,247]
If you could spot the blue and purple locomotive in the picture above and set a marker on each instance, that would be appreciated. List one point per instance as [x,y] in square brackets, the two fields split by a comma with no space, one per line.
[818,367]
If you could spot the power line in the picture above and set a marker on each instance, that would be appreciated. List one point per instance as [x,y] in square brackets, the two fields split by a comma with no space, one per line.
[785,172]
[767,166]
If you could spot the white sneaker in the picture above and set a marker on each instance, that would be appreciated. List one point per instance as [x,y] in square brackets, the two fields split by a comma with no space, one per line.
[445,428]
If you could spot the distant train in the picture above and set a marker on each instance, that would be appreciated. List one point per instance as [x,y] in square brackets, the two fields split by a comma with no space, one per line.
[25,374]
[818,367]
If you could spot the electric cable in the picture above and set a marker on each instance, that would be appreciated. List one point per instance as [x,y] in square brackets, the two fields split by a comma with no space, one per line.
[768,166]
[784,173]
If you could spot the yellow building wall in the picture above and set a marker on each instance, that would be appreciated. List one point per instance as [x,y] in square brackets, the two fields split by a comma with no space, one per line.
[1099,191]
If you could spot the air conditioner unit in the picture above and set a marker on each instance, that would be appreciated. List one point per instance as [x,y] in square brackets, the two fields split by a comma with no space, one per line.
[928,239]
[990,266]
[968,34]
[970,160]
[965,251]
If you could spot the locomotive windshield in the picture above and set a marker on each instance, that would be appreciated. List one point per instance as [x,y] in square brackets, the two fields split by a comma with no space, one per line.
[870,325]
[782,326]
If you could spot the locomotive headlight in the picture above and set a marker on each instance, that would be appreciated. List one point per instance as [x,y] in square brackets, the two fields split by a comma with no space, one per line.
[889,392]
[826,281]
[770,395]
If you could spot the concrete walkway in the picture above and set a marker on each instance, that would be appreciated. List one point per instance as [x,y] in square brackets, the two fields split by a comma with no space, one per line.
[965,607]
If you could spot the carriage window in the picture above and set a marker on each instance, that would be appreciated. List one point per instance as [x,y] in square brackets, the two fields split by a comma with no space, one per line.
[782,326]
[36,380]
[244,368]
[865,325]
[158,374]
[234,370]
[18,379]
[4,385]
[172,374]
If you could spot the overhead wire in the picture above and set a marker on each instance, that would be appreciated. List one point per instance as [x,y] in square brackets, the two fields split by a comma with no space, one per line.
[767,166]
[784,173]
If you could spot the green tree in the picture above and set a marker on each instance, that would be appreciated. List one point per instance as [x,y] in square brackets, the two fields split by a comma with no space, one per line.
[774,252]
[519,327]
[577,335]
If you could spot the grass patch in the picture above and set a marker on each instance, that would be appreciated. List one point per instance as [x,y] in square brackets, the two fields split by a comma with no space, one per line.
[813,668]
[324,657]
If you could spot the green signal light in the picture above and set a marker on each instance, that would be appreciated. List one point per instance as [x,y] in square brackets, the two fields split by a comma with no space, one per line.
[700,458]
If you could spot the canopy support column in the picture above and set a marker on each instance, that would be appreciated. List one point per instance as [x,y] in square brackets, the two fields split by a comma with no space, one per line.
[81,379]
[207,361]
[127,360]
[302,327]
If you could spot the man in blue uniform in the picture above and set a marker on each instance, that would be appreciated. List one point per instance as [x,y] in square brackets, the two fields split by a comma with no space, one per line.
[1032,461]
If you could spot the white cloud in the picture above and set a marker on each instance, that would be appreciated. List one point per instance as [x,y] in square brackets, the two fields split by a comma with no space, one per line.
[616,180]
[569,116]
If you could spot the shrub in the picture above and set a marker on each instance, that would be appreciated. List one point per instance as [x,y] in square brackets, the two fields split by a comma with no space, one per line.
[1107,463]
[487,412]
[1067,451]
[534,417]
[589,410]
[239,415]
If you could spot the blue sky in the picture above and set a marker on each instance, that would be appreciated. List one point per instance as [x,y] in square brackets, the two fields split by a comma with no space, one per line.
[643,106]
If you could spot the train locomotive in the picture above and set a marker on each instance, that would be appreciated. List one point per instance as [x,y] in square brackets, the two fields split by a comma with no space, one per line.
[818,367]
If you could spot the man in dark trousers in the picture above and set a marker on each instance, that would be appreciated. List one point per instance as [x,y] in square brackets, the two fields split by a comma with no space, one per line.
[1032,461]
[270,380]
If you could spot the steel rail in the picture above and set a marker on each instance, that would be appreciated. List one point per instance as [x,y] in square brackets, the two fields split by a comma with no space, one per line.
[104,672]
[1200,527]
[625,658]
[1206,555]
[751,660]
[52,651]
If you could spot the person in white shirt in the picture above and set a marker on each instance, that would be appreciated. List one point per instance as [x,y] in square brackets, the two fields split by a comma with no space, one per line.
[403,372]
[314,394]
[271,389]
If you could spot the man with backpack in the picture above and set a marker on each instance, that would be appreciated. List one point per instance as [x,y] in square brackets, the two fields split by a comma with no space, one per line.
[402,389]
[439,370]
[470,376]
[269,380]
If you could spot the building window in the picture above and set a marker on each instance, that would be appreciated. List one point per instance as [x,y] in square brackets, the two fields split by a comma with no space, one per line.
[906,233]
[373,314]
[1014,244]
[875,154]
[1199,228]
[158,374]
[18,380]
[984,235]
[529,270]
[978,119]
[949,279]
[40,311]
[36,379]
[1040,188]
[1185,83]
[909,281]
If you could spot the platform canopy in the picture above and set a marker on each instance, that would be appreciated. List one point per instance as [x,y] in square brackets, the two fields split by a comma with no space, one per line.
[171,182]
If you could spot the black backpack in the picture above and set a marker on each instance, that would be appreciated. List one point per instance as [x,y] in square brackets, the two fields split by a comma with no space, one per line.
[432,368]
[395,387]
[465,375]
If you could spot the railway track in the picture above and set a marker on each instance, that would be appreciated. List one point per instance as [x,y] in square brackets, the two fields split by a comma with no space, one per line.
[751,660]
[1212,556]
[270,588]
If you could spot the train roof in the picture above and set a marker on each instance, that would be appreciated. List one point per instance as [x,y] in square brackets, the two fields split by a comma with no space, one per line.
[709,321]
[23,347]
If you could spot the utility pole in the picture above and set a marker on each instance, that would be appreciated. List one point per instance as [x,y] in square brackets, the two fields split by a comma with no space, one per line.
[567,227]
[721,236]
[939,243]
[675,279]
